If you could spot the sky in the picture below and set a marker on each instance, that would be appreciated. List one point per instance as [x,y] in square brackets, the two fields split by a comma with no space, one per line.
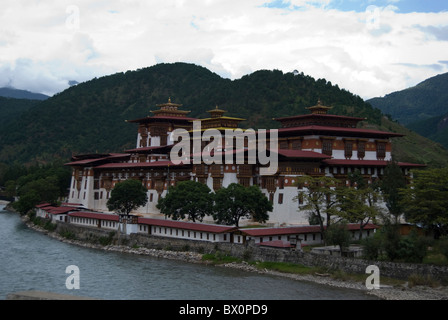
[368,47]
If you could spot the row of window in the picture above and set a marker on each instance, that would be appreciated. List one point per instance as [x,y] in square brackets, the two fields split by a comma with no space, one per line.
[180,233]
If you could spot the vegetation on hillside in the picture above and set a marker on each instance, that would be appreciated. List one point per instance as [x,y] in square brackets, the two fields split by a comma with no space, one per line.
[425,100]
[90,117]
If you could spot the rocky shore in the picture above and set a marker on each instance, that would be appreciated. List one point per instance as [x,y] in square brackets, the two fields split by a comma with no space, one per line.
[403,292]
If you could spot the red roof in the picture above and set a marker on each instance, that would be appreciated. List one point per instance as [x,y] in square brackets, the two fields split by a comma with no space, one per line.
[369,163]
[295,230]
[137,164]
[339,131]
[58,210]
[149,148]
[149,119]
[94,215]
[43,205]
[93,160]
[186,225]
[302,154]
[322,116]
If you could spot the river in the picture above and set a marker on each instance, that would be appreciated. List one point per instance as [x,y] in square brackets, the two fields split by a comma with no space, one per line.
[31,260]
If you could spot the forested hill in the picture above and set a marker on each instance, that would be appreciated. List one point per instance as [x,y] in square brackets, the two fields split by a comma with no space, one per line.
[21,94]
[426,100]
[90,117]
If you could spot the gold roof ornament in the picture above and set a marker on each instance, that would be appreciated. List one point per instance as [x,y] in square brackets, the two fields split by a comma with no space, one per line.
[216,113]
[319,108]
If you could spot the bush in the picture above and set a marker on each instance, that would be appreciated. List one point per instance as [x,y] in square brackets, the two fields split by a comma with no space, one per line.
[442,246]
[372,247]
[412,248]
[422,280]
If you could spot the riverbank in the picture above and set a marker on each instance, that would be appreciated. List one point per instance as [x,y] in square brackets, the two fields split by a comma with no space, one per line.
[392,292]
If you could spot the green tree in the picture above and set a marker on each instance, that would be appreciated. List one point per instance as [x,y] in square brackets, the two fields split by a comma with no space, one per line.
[338,234]
[237,201]
[357,203]
[425,201]
[318,195]
[35,192]
[391,184]
[127,196]
[190,199]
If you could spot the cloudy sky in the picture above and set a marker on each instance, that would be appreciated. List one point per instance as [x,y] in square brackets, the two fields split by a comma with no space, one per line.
[369,47]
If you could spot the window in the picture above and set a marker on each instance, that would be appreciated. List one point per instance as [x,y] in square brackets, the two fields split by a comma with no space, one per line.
[284,145]
[296,145]
[348,149]
[217,183]
[381,150]
[280,198]
[361,150]
[327,147]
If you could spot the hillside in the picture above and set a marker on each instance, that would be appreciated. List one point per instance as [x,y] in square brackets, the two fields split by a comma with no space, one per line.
[21,94]
[414,147]
[11,108]
[421,102]
[90,117]
[435,128]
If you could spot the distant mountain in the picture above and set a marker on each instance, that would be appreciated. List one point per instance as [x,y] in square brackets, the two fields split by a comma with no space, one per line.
[90,117]
[21,94]
[435,128]
[426,100]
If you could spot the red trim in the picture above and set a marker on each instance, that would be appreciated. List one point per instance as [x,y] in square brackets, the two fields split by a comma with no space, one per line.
[137,165]
[187,225]
[368,163]
[339,131]
[93,215]
[322,116]
[148,119]
[295,230]
[302,154]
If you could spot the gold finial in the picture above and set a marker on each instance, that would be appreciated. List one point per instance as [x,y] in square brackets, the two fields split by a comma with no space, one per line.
[169,100]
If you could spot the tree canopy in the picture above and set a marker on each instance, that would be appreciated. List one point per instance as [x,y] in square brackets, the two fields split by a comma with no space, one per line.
[318,197]
[188,199]
[237,201]
[127,196]
[425,202]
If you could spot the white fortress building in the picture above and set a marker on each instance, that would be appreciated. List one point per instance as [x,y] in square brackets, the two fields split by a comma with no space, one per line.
[316,144]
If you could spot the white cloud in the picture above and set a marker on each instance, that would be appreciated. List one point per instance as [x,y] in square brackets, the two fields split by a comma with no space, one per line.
[370,53]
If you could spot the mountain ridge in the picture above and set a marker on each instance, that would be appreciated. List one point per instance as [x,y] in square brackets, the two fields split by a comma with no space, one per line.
[90,117]
[9,92]
[425,100]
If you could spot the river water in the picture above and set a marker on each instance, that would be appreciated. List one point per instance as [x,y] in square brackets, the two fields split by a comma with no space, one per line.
[30,260]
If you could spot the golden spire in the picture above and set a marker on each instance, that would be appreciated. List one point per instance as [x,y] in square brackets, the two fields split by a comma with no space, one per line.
[319,108]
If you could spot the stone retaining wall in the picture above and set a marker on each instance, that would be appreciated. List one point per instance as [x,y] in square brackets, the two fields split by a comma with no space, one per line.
[252,252]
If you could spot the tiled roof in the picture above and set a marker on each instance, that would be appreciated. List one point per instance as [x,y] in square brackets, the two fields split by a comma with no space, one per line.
[339,131]
[137,164]
[322,116]
[258,232]
[94,215]
[58,210]
[88,161]
[204,227]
